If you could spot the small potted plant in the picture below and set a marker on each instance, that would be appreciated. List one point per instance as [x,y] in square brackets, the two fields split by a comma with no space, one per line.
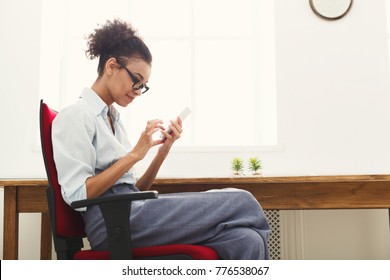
[255,166]
[237,165]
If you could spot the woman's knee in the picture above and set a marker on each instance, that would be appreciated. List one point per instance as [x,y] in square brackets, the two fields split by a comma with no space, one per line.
[255,248]
[241,244]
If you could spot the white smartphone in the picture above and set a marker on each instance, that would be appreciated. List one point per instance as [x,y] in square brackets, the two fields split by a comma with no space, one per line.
[183,115]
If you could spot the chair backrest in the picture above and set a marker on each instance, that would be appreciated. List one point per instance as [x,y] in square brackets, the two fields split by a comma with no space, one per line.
[66,222]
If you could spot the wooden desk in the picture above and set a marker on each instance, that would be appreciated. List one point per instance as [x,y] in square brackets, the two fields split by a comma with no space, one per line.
[24,196]
[282,193]
[296,193]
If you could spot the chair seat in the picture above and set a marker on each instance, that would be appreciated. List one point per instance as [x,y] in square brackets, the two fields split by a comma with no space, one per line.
[196,252]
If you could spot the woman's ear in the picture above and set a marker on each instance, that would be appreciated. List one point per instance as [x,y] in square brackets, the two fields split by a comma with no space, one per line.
[110,66]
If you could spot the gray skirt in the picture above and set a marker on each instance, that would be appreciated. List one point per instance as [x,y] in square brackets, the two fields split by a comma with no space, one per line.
[229,220]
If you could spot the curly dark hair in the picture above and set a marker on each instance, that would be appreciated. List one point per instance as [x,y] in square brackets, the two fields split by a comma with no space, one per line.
[116,39]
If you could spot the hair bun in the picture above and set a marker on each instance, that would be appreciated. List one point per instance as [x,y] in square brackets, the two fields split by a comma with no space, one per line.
[116,39]
[108,37]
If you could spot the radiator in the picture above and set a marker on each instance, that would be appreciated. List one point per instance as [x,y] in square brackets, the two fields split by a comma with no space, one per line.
[274,241]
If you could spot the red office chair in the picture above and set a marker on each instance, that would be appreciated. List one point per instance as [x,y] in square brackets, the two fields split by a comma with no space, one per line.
[68,226]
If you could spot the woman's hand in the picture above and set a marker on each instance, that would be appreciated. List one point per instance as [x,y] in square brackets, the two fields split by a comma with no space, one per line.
[145,182]
[170,138]
[98,184]
[146,141]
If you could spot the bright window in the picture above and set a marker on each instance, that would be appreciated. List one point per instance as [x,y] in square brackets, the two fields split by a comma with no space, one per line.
[214,56]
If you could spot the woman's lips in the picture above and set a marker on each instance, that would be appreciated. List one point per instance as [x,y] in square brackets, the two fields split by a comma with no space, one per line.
[129,97]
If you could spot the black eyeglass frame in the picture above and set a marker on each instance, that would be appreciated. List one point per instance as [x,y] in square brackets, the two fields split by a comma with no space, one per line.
[135,80]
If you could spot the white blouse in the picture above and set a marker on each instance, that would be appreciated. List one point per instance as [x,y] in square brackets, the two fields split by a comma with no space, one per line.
[84,144]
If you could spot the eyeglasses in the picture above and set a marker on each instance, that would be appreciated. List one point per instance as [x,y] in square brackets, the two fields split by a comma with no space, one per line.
[137,85]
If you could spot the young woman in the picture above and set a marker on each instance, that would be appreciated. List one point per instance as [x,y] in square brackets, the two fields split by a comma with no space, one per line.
[94,158]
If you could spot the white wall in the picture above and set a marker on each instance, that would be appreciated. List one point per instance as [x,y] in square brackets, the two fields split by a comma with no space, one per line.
[19,88]
[333,94]
[333,90]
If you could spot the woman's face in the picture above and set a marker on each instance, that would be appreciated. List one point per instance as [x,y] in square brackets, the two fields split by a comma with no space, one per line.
[126,79]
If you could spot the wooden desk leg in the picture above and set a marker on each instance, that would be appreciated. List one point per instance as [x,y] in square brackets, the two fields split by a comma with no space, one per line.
[45,237]
[11,224]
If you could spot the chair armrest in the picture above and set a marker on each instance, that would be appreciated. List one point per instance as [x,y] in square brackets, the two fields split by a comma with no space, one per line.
[116,214]
[115,198]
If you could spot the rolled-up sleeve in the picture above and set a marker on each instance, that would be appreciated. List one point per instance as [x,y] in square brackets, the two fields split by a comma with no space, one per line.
[73,133]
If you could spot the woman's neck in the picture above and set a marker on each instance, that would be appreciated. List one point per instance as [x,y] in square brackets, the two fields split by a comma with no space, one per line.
[102,91]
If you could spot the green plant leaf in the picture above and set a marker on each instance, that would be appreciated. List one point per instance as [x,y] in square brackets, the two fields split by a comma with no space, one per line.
[254,164]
